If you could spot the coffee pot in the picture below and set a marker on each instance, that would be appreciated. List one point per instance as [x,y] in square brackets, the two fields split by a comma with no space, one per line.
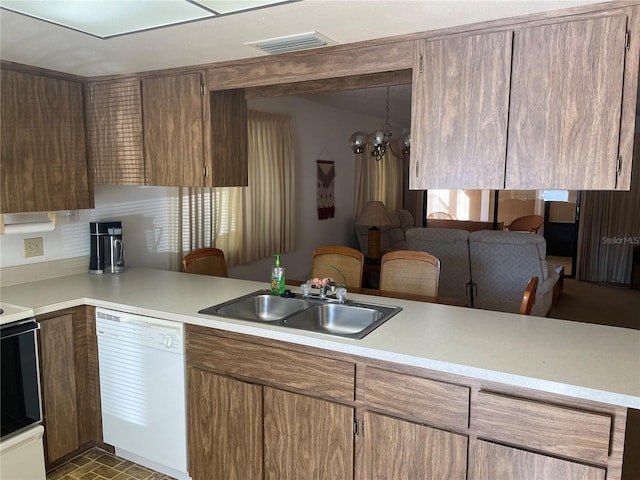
[107,248]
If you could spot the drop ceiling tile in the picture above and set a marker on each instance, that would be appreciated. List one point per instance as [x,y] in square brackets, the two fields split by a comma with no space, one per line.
[108,18]
[231,6]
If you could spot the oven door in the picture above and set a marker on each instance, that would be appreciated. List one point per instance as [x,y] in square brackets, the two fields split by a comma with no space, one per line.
[20,382]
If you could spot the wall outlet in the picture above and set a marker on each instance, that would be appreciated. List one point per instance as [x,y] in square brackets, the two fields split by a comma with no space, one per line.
[33,247]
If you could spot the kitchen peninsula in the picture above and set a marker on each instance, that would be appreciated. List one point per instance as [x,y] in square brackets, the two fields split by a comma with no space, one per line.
[496,388]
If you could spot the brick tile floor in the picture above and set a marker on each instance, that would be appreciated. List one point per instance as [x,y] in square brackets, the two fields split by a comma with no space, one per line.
[97,464]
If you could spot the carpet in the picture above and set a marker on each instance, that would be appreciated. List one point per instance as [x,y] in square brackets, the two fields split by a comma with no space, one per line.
[598,303]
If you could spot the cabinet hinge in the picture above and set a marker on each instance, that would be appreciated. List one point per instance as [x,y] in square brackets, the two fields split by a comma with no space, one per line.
[627,41]
[618,170]
[421,65]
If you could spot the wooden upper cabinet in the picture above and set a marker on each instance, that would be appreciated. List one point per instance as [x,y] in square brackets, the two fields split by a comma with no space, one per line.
[44,158]
[114,129]
[174,130]
[565,114]
[229,138]
[460,112]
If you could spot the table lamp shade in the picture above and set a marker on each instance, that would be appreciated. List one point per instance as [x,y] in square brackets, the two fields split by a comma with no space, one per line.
[374,215]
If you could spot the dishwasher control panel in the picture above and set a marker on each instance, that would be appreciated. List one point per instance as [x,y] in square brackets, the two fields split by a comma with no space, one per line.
[131,329]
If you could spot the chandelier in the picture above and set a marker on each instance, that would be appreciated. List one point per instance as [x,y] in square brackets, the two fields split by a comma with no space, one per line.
[379,140]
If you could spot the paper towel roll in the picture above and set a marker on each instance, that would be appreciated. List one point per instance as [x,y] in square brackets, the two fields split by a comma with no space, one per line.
[29,227]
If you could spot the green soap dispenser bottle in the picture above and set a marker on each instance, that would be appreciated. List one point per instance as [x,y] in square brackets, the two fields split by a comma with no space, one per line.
[277,277]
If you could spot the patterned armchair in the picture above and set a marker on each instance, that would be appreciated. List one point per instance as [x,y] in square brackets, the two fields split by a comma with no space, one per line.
[498,264]
[392,237]
[502,264]
[452,248]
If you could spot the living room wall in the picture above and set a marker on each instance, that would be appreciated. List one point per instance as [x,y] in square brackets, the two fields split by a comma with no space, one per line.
[321,132]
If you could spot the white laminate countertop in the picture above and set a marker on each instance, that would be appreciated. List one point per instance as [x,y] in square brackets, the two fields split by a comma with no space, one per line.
[582,360]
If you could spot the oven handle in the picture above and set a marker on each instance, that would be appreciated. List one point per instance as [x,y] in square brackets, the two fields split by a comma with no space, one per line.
[18,328]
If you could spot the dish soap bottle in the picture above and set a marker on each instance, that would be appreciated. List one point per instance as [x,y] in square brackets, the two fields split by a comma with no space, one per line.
[277,277]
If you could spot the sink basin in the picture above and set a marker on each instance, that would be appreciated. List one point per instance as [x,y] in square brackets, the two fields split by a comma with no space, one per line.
[346,320]
[350,319]
[259,306]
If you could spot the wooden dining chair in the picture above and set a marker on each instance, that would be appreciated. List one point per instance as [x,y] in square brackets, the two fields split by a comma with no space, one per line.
[527,223]
[342,264]
[410,271]
[529,296]
[205,261]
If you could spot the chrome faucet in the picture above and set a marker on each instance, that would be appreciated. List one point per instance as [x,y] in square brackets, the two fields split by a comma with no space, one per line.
[327,286]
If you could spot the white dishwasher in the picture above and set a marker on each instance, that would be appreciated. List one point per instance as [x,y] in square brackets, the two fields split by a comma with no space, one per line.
[142,389]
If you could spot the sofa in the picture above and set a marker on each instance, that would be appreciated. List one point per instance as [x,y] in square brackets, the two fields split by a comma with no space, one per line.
[491,268]
[392,237]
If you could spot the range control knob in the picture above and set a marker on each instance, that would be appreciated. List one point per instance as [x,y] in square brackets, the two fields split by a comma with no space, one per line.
[167,341]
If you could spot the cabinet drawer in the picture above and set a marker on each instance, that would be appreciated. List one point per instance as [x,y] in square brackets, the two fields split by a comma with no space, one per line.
[540,426]
[272,365]
[421,399]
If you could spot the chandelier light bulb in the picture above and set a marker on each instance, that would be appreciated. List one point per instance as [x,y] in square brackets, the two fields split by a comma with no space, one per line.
[358,142]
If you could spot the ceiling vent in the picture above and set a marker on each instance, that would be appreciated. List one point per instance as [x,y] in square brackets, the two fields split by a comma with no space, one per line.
[292,43]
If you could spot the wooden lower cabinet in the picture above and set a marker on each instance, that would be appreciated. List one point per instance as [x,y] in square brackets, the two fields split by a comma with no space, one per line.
[498,462]
[306,437]
[236,428]
[399,449]
[264,409]
[69,384]
[225,427]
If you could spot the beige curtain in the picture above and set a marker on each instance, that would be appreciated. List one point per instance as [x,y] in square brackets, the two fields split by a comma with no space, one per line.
[378,180]
[248,223]
[609,228]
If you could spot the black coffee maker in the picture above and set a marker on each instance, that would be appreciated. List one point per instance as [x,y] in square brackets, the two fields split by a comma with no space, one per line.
[107,248]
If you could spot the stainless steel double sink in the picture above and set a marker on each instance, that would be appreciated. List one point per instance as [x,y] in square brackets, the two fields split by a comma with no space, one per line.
[350,319]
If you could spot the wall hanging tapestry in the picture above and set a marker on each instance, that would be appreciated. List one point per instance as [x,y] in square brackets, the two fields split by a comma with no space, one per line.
[326,180]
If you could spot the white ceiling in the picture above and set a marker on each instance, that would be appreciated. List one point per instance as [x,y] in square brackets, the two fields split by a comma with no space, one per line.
[35,42]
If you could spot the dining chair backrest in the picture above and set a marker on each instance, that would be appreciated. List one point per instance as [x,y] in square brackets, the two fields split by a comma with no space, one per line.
[342,264]
[205,261]
[410,271]
[441,216]
[529,296]
[527,223]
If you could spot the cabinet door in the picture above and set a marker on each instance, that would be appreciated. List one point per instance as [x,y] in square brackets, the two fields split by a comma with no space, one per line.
[564,125]
[173,130]
[498,462]
[229,139]
[114,129]
[44,160]
[69,383]
[399,449]
[460,112]
[306,437]
[225,427]
[58,384]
